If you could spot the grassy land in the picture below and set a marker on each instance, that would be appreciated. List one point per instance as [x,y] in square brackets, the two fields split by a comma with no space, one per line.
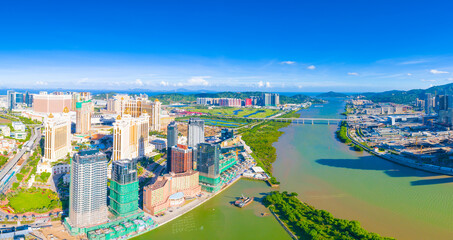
[219,121]
[309,223]
[235,111]
[33,200]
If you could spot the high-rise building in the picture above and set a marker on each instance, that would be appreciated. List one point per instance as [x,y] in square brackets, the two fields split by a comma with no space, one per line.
[156,108]
[172,140]
[88,189]
[79,97]
[124,188]
[136,107]
[181,158]
[51,103]
[83,117]
[57,136]
[195,132]
[28,99]
[226,133]
[11,99]
[15,98]
[130,137]
[270,99]
[208,165]
[429,103]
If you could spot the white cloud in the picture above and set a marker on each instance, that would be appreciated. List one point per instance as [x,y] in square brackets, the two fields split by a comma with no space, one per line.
[260,84]
[409,74]
[83,81]
[194,81]
[268,84]
[435,71]
[353,74]
[288,62]
[311,67]
[449,79]
[41,83]
[427,80]
[138,82]
[414,62]
[164,84]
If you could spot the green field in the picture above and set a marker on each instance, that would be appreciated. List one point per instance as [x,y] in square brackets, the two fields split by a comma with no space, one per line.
[38,201]
[235,111]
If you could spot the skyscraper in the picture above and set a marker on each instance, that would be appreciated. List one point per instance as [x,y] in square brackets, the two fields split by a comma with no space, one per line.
[88,189]
[58,136]
[15,98]
[83,117]
[172,140]
[124,188]
[181,159]
[155,115]
[208,165]
[136,107]
[79,97]
[195,132]
[429,102]
[130,137]
[11,99]
[270,99]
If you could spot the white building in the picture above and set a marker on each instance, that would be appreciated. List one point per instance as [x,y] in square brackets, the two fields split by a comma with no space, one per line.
[131,137]
[5,130]
[57,136]
[18,126]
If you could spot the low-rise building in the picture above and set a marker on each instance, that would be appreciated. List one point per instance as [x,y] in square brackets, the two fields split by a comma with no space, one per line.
[18,126]
[170,190]
[19,135]
[7,145]
[5,130]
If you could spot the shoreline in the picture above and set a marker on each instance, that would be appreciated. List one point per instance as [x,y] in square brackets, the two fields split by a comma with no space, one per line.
[189,208]
[402,161]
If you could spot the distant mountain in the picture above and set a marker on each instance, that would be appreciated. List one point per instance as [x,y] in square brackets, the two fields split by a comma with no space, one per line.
[407,97]
[332,94]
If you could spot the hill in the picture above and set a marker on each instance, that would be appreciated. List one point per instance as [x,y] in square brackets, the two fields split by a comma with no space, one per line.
[408,97]
[332,94]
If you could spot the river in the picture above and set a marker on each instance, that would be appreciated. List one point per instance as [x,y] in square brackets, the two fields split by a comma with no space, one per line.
[386,198]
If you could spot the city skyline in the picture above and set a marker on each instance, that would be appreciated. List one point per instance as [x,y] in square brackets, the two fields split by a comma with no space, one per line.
[285,47]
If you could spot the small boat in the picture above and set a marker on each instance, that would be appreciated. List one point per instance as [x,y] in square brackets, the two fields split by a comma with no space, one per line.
[243,201]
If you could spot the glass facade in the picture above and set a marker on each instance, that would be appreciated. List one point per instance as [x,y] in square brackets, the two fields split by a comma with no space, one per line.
[124,188]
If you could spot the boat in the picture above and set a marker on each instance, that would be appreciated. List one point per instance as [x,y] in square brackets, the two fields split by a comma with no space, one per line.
[243,201]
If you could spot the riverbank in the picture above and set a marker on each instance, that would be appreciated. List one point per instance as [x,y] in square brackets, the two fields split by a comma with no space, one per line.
[402,160]
[306,222]
[261,137]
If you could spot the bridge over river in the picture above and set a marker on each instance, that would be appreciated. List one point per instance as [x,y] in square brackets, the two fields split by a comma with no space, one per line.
[327,121]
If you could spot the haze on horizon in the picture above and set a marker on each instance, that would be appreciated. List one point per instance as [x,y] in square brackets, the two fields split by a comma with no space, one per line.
[286,46]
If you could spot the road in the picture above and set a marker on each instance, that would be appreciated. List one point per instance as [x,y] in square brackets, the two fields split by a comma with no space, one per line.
[6,171]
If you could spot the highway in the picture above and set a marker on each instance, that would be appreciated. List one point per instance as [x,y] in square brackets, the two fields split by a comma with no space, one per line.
[7,170]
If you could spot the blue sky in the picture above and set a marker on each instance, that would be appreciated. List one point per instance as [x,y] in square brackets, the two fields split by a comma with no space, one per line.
[308,46]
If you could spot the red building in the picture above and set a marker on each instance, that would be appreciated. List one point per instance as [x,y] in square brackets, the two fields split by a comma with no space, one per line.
[181,159]
[248,102]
